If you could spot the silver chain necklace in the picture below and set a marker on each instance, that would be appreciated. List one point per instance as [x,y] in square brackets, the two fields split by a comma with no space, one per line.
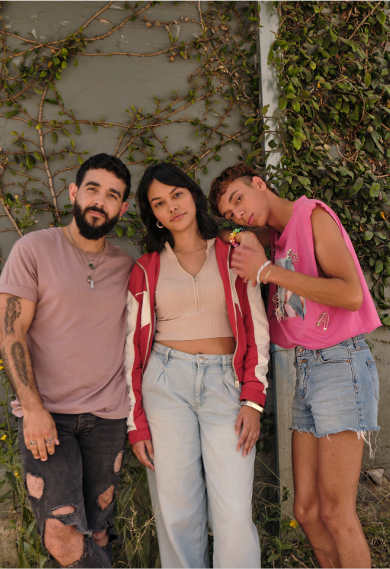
[89,262]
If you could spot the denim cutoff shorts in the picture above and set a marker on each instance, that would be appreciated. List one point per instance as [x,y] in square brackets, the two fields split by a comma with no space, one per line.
[337,389]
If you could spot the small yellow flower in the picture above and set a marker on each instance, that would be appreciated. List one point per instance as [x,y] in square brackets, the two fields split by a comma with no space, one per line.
[383,214]
[294,524]
[3,437]
[319,84]
[1,367]
[16,473]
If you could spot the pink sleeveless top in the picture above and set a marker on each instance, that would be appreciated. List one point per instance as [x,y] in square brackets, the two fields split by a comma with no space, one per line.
[296,321]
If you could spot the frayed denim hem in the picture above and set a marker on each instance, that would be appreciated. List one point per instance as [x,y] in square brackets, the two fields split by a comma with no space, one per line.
[362,434]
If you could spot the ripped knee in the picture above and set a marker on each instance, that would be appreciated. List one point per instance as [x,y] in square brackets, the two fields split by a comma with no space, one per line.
[35,485]
[64,542]
[106,498]
[118,462]
[63,511]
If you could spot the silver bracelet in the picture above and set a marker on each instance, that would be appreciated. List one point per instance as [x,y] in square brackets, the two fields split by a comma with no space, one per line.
[267,275]
[259,271]
[253,405]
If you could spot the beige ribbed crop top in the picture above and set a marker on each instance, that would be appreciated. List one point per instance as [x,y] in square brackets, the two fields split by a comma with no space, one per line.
[187,307]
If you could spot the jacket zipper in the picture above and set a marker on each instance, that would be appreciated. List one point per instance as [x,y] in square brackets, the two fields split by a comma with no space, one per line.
[151,319]
[236,381]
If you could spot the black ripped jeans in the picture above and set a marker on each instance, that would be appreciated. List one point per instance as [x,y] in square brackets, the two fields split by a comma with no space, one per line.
[84,466]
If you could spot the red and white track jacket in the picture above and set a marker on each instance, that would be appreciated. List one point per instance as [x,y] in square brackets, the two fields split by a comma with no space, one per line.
[247,317]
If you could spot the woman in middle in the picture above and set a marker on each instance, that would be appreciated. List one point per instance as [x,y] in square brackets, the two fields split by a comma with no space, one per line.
[196,363]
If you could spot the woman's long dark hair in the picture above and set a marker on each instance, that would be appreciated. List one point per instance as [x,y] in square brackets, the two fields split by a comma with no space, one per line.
[171,175]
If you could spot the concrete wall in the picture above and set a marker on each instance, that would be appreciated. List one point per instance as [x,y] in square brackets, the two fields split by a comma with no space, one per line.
[108,86]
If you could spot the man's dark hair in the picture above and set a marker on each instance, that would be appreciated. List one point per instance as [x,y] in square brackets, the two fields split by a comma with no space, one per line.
[221,183]
[109,163]
[171,175]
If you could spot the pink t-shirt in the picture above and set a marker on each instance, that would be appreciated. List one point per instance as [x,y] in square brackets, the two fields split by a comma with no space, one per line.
[296,321]
[77,336]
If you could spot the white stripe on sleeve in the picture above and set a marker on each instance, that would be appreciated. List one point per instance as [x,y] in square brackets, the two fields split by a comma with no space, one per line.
[132,314]
[261,332]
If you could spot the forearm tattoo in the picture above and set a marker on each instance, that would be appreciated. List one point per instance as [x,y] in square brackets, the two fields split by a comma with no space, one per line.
[8,370]
[12,313]
[19,358]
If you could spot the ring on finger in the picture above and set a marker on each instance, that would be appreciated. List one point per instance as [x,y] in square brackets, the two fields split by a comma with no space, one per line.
[33,443]
[49,441]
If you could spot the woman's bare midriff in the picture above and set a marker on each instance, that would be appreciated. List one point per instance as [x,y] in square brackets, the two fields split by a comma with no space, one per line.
[216,346]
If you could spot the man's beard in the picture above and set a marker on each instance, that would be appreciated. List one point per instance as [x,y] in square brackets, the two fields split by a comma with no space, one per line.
[91,231]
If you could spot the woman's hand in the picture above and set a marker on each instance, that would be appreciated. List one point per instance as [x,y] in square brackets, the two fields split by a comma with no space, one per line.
[248,422]
[140,449]
[248,257]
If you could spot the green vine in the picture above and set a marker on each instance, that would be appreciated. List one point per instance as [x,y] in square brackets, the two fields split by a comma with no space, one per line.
[223,88]
[332,64]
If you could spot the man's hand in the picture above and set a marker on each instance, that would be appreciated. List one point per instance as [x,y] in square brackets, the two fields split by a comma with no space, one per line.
[40,428]
[140,448]
[248,257]
[248,421]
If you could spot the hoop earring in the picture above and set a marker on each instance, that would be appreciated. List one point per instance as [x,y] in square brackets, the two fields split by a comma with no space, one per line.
[159,226]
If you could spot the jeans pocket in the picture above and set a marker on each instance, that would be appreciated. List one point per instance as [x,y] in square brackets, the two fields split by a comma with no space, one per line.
[334,354]
[153,371]
[374,376]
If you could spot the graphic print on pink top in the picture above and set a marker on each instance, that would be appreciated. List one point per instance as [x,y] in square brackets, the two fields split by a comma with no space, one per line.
[287,303]
[295,321]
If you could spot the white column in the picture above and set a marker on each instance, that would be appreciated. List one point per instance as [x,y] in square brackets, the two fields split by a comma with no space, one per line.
[282,360]
[269,87]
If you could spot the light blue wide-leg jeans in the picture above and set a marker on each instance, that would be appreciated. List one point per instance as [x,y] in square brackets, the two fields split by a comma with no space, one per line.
[191,404]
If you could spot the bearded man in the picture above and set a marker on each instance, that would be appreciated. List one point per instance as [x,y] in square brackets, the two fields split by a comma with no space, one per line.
[63,326]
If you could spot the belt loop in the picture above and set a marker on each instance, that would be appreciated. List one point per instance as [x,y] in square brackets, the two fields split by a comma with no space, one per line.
[166,358]
[224,360]
[354,340]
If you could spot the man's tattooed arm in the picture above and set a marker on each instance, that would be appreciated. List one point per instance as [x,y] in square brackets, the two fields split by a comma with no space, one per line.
[19,370]
[7,368]
[19,359]
[16,315]
[12,313]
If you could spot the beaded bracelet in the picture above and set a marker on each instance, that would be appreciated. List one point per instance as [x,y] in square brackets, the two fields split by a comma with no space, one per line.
[232,236]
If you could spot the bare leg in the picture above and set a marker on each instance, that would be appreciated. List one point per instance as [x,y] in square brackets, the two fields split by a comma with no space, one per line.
[339,464]
[101,538]
[307,498]
[65,543]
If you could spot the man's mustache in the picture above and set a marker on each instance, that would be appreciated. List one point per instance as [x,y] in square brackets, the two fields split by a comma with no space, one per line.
[94,208]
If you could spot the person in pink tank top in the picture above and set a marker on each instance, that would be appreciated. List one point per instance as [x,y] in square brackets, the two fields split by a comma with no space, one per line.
[320,305]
